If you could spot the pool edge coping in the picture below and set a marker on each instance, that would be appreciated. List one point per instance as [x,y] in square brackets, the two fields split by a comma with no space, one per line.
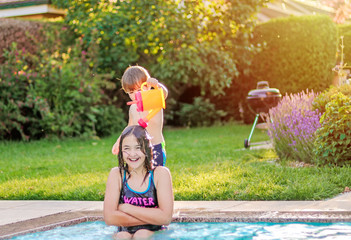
[191,216]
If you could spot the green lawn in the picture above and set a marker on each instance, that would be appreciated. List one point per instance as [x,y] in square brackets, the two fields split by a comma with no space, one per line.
[206,164]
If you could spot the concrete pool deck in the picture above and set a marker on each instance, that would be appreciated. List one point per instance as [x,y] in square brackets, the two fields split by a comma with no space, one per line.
[19,217]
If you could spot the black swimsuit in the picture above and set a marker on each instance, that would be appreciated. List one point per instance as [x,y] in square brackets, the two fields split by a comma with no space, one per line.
[146,199]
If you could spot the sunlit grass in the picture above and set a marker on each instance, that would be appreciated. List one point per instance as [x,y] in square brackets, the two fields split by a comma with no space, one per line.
[87,186]
[206,164]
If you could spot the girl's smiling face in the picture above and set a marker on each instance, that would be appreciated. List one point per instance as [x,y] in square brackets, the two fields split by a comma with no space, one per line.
[132,152]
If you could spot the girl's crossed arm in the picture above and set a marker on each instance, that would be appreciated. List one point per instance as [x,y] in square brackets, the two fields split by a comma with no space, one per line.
[163,214]
[112,215]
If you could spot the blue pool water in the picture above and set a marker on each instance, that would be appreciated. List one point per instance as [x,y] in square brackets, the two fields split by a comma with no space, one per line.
[182,231]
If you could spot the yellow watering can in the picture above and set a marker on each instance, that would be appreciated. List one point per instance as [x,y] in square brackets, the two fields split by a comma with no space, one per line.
[148,100]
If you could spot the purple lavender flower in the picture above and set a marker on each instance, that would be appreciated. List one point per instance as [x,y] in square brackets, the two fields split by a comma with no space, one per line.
[292,125]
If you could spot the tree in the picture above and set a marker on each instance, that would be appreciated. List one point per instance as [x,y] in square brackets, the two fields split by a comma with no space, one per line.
[183,43]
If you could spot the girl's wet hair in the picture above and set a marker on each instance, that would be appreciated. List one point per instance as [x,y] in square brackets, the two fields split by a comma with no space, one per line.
[133,77]
[143,139]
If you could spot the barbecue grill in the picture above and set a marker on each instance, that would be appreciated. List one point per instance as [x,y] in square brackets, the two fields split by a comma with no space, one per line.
[260,100]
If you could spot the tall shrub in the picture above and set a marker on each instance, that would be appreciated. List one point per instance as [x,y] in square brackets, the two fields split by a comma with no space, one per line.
[19,109]
[292,125]
[299,53]
[71,90]
[56,92]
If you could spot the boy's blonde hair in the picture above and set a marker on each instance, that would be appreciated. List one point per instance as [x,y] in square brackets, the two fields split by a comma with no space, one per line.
[133,77]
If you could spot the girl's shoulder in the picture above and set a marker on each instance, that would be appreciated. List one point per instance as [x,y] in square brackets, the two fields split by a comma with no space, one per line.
[161,169]
[116,171]
[114,176]
[161,172]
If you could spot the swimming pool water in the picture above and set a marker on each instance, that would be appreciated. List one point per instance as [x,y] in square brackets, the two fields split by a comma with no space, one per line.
[182,231]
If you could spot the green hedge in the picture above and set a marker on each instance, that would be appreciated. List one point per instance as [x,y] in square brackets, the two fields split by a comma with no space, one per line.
[299,53]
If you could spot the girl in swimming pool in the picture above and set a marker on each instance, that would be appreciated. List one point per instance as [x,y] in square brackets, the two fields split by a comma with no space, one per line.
[138,198]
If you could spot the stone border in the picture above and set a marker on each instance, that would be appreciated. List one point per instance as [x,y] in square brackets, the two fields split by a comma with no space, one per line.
[48,222]
[273,216]
[71,218]
[51,226]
